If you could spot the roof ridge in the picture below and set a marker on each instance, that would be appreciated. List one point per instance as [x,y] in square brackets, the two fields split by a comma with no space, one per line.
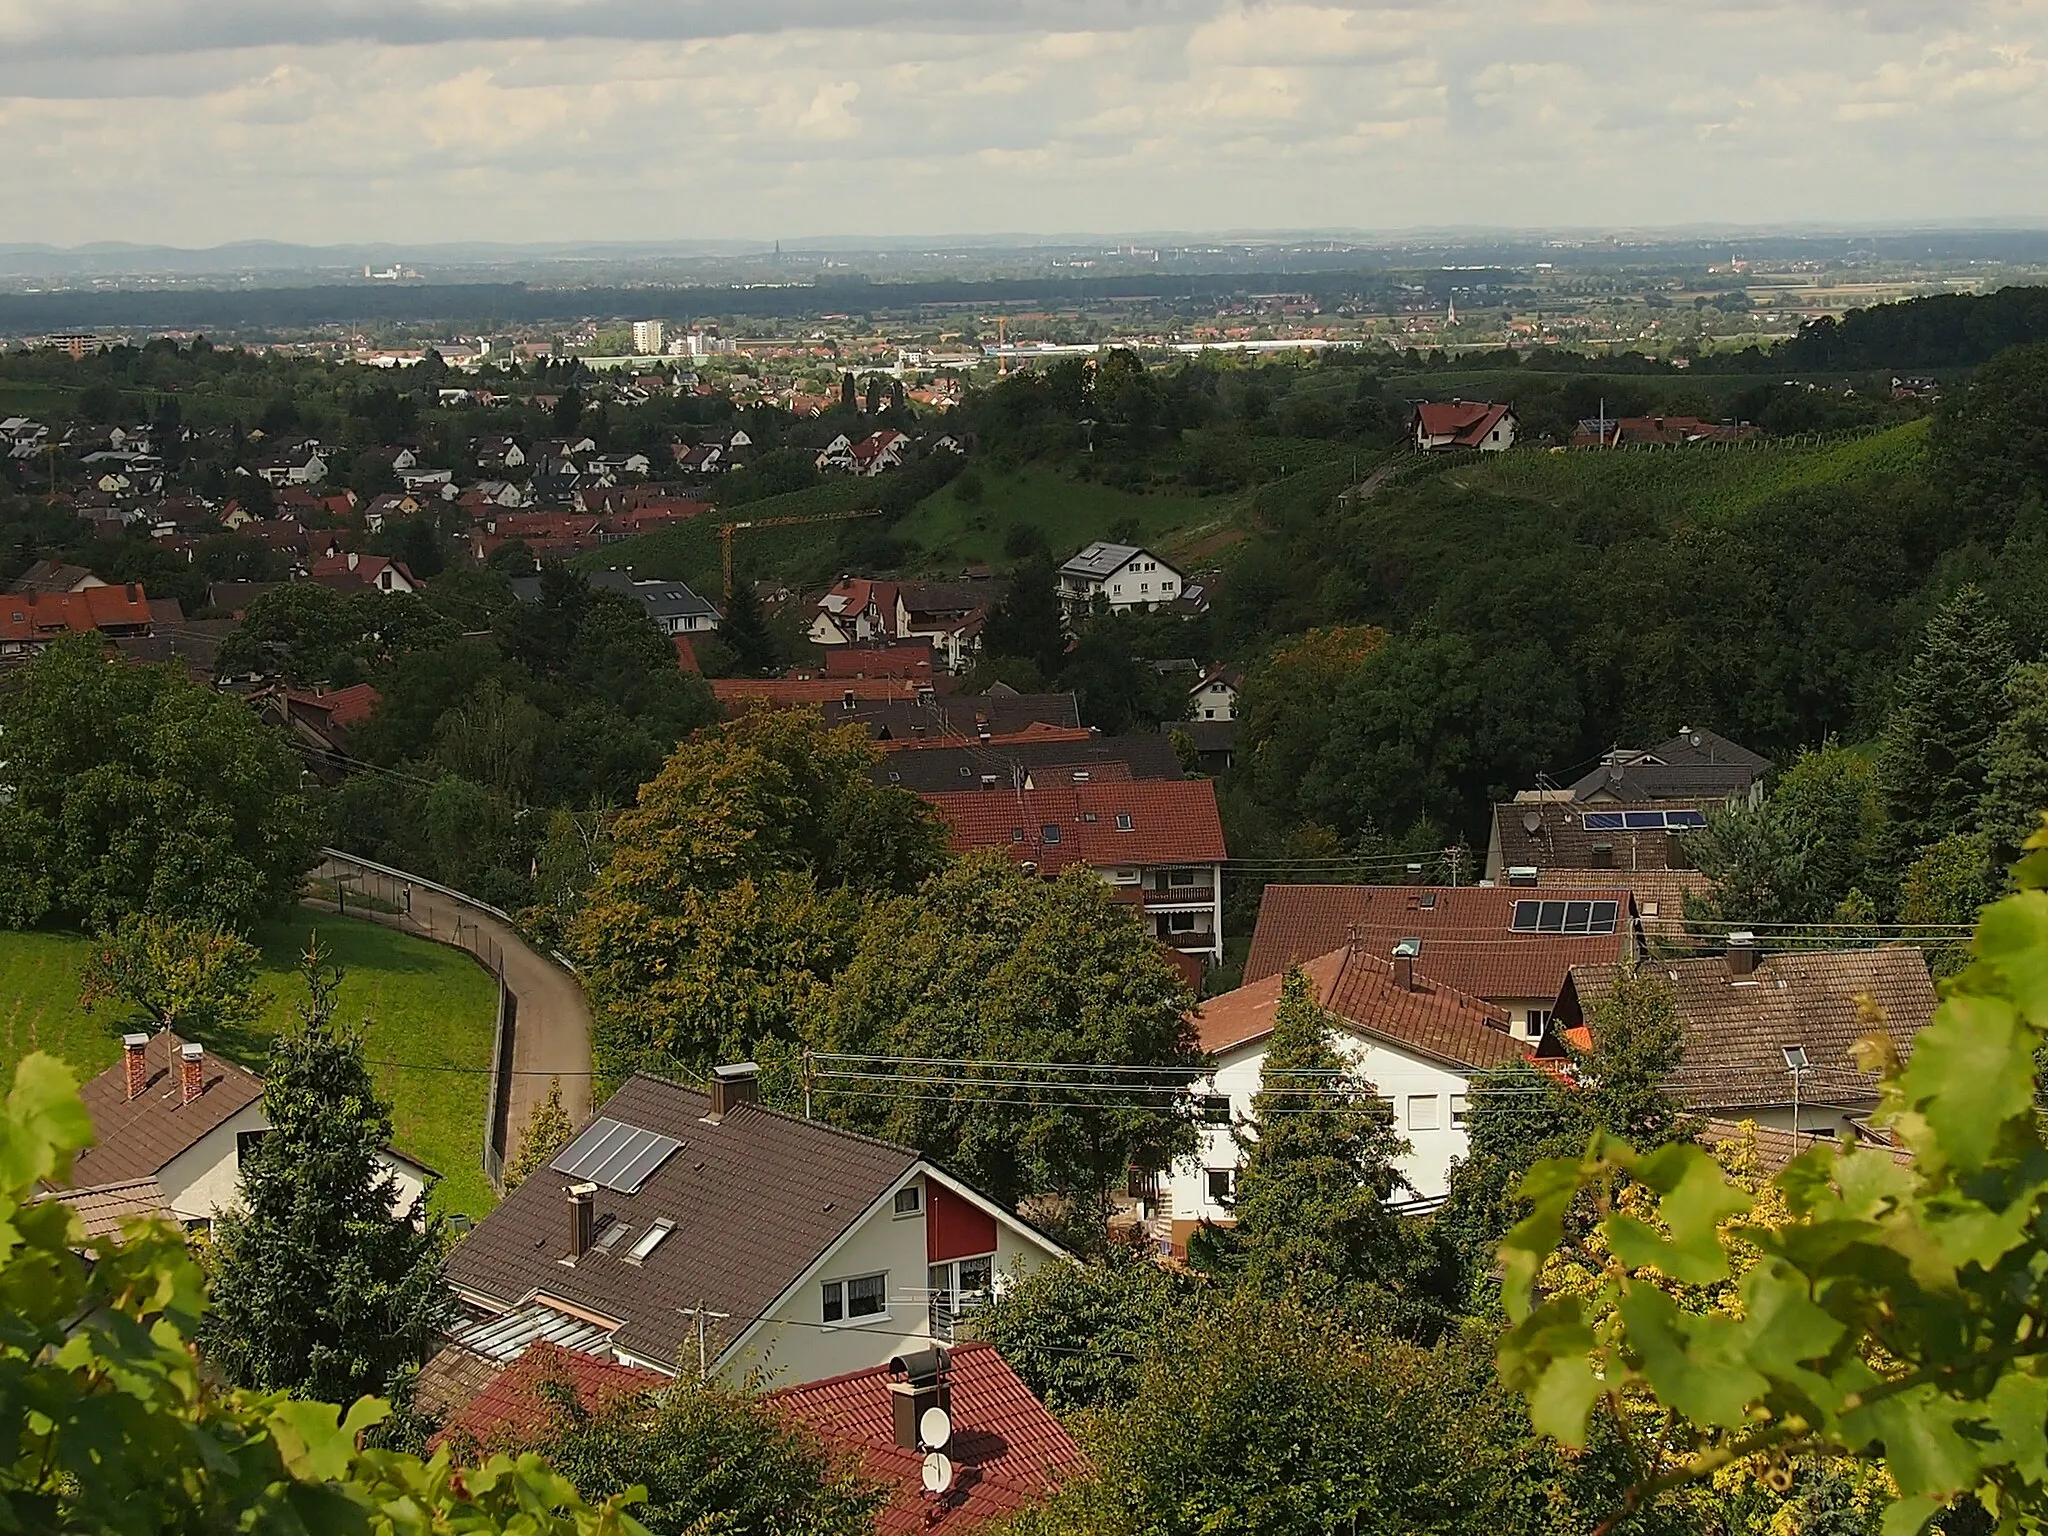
[770,1109]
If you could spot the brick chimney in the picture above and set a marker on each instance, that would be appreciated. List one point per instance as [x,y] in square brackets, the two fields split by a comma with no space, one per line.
[1404,963]
[582,1218]
[191,1071]
[134,1056]
[1742,956]
[734,1084]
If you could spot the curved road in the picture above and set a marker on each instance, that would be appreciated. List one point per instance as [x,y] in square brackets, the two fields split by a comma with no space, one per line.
[551,1027]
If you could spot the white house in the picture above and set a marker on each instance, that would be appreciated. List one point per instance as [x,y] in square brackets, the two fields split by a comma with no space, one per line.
[173,1115]
[301,465]
[801,1251]
[1214,697]
[837,454]
[1127,576]
[1445,424]
[1420,1044]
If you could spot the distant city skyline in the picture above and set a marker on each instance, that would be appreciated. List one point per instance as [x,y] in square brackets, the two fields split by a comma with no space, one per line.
[199,122]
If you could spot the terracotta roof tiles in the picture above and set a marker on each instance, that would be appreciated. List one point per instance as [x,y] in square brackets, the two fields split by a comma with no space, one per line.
[135,1138]
[1138,822]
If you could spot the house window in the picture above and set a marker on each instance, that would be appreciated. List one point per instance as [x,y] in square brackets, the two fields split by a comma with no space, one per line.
[1422,1112]
[1180,922]
[850,1300]
[246,1143]
[650,1240]
[909,1200]
[1216,1109]
[1461,1112]
[1537,1022]
[1180,877]
[1123,821]
[1221,1184]
[1049,834]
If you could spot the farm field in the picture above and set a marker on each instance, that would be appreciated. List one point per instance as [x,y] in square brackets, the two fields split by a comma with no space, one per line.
[430,1008]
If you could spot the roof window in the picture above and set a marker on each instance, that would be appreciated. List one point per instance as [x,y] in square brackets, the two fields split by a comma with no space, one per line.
[650,1240]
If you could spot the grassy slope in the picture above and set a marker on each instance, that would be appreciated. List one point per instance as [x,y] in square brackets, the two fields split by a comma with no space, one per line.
[950,532]
[430,1007]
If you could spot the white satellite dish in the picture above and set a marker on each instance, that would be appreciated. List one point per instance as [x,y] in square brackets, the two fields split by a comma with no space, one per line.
[938,1473]
[934,1429]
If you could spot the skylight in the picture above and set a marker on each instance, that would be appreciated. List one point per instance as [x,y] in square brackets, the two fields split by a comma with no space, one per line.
[650,1240]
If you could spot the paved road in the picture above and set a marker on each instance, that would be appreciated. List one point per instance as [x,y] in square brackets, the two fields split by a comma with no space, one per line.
[551,1031]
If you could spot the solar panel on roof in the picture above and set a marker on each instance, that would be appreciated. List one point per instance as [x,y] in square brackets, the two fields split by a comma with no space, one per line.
[1603,821]
[1685,818]
[614,1154]
[1572,917]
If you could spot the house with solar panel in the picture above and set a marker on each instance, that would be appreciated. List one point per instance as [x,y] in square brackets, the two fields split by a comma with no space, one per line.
[684,1230]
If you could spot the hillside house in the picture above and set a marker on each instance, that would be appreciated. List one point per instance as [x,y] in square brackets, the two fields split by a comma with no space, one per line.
[811,1251]
[855,611]
[173,1114]
[29,621]
[348,569]
[499,453]
[299,464]
[1440,426]
[1123,575]
[1509,948]
[1421,1044]
[1659,432]
[1214,695]
[1158,842]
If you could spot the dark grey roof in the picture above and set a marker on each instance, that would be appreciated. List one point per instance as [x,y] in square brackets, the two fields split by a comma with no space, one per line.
[949,597]
[1560,839]
[1697,761]
[662,599]
[959,716]
[937,770]
[754,1200]
[1207,735]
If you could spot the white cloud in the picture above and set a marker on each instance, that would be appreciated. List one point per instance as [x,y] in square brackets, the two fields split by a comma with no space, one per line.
[199,121]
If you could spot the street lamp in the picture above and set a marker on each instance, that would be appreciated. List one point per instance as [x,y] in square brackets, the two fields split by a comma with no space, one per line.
[1795,1063]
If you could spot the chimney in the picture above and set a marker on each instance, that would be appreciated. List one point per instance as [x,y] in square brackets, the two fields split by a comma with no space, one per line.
[925,1389]
[134,1049]
[191,1071]
[582,1217]
[734,1084]
[1741,956]
[1404,963]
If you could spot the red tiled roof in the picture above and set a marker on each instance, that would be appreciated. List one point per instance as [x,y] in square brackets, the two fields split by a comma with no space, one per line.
[794,692]
[1466,422]
[343,706]
[511,1410]
[1171,821]
[1038,731]
[39,615]
[1467,942]
[1360,990]
[1007,1450]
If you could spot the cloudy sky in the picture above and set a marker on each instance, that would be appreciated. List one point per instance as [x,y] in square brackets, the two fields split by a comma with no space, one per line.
[199,121]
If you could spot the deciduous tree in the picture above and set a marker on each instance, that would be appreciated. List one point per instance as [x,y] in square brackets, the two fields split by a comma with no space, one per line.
[546,1132]
[196,980]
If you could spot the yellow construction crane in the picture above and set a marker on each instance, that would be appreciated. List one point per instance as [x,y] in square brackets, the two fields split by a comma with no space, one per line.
[727,530]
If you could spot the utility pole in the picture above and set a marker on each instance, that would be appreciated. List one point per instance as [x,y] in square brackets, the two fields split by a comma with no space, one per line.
[703,1350]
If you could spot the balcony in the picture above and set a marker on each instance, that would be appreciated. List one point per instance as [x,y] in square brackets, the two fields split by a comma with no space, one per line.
[950,1308]
[1199,895]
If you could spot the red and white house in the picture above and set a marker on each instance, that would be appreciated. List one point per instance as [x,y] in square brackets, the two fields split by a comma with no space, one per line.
[1445,424]
[1158,841]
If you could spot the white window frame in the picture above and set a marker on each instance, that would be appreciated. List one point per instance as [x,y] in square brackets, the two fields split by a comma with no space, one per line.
[1209,1177]
[916,1206]
[1461,1110]
[839,1294]
[1424,1112]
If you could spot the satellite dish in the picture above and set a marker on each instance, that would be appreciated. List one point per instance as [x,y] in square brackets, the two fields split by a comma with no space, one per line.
[935,1429]
[1532,822]
[938,1473]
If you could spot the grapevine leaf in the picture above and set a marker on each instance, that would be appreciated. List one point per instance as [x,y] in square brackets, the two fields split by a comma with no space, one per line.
[2018,1410]
[1972,1072]
[1922,1447]
[1691,1363]
[2013,936]
[1780,1320]
[1909,1517]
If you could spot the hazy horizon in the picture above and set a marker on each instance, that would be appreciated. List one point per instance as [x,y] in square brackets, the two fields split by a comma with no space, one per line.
[197,123]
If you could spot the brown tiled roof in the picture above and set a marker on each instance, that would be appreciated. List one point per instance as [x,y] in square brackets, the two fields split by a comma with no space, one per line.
[1359,989]
[1007,1449]
[1660,893]
[945,768]
[1467,941]
[1137,822]
[960,717]
[135,1138]
[1775,1148]
[450,1382]
[1465,421]
[754,1200]
[1561,839]
[103,1209]
[1736,1028]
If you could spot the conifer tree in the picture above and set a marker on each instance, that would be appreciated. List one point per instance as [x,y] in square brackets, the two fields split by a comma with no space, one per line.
[1948,707]
[746,631]
[1311,1202]
[849,394]
[547,1131]
[321,1287]
[1027,622]
[2016,776]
